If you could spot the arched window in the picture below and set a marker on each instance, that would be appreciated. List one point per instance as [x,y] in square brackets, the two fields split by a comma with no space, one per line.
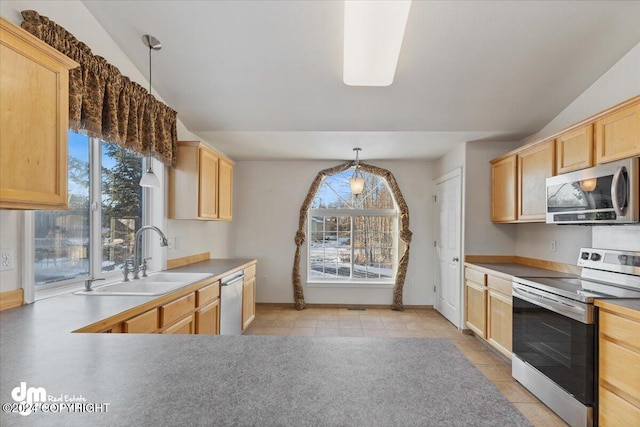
[353,239]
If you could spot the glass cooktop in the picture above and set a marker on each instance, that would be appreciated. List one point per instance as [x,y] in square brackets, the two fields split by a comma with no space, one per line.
[577,288]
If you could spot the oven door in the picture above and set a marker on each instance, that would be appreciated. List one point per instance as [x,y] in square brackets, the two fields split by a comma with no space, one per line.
[561,348]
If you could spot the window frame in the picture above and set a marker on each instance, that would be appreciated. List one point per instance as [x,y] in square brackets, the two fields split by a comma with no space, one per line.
[352,213]
[33,292]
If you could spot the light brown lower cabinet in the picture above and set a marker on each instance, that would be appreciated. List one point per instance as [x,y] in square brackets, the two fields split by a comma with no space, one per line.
[618,365]
[193,310]
[488,307]
[184,326]
[499,325]
[207,319]
[248,302]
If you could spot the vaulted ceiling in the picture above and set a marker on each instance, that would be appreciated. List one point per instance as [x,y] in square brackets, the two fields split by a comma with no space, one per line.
[263,79]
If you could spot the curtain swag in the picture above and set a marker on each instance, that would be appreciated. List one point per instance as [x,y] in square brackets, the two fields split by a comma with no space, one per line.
[105,103]
[405,233]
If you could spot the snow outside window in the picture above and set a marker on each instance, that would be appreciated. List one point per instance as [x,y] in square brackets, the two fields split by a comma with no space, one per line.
[352,239]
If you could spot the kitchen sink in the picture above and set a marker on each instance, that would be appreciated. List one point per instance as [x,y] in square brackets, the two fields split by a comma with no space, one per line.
[155,284]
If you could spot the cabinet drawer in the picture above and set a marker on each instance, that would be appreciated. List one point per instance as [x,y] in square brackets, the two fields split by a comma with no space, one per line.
[475,276]
[249,272]
[176,309]
[184,326]
[146,322]
[498,284]
[615,411]
[620,329]
[619,368]
[208,293]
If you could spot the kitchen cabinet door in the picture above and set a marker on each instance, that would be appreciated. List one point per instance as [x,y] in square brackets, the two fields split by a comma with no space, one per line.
[145,323]
[225,190]
[208,319]
[34,119]
[574,149]
[248,302]
[499,324]
[475,308]
[535,165]
[503,189]
[207,184]
[618,135]
[183,326]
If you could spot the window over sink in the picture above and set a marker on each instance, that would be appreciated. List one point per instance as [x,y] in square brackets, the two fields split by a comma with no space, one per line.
[352,239]
[95,235]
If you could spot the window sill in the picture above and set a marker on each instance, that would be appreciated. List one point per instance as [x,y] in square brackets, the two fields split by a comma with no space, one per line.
[350,284]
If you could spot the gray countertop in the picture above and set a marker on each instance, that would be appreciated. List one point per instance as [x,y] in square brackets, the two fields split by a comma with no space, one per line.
[37,345]
[520,270]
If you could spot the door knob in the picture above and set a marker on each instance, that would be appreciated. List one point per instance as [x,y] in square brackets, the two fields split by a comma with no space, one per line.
[455,259]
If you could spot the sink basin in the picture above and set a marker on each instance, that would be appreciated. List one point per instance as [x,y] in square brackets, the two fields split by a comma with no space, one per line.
[156,284]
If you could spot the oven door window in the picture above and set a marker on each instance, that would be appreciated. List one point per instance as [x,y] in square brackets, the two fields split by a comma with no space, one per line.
[559,347]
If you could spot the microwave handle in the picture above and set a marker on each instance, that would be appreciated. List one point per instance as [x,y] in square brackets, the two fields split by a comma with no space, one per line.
[617,177]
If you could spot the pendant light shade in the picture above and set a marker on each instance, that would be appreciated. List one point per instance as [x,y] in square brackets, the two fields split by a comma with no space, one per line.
[150,179]
[357,180]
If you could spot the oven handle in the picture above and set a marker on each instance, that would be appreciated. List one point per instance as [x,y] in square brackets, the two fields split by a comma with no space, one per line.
[581,313]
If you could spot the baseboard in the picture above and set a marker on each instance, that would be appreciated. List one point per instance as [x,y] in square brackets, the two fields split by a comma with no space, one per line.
[11,299]
[314,305]
[186,260]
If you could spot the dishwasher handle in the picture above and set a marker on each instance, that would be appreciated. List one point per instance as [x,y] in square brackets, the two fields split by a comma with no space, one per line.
[233,280]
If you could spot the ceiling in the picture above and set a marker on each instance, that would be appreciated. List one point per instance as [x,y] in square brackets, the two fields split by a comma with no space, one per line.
[263,79]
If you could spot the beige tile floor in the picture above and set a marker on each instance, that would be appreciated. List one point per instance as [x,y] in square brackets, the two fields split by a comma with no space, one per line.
[274,319]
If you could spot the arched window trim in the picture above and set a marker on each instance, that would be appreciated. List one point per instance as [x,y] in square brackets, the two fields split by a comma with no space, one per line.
[404,231]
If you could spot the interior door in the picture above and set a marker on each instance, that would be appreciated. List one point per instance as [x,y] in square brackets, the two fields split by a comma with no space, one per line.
[447,289]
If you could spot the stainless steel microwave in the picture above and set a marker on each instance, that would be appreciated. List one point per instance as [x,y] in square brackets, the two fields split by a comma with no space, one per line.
[604,194]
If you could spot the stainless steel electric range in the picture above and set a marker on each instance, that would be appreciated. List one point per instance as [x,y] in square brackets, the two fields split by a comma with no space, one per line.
[554,330]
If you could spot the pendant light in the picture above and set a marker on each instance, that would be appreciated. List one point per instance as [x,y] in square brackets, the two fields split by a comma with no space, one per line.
[150,179]
[357,179]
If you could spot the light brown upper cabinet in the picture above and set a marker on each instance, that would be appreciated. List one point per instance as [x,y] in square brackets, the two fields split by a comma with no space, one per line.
[201,184]
[225,187]
[574,149]
[34,119]
[618,135]
[535,165]
[503,189]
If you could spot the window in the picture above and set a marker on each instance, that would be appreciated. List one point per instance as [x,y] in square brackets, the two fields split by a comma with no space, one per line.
[66,242]
[353,238]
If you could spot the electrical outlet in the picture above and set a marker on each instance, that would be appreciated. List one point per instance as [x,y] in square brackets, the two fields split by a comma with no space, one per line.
[6,259]
[176,243]
[553,246]
[264,280]
[171,243]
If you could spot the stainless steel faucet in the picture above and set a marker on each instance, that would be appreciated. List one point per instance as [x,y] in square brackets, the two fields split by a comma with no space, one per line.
[136,242]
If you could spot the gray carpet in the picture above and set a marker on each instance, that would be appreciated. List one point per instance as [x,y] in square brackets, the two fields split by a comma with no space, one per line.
[311,381]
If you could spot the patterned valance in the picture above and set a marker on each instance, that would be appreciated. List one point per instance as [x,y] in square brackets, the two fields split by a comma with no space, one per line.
[105,103]
[405,233]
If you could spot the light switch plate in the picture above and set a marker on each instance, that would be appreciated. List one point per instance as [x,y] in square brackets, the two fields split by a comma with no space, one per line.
[6,259]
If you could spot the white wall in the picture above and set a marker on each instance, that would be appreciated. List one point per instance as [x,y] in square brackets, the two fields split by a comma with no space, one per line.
[482,237]
[620,82]
[267,204]
[72,15]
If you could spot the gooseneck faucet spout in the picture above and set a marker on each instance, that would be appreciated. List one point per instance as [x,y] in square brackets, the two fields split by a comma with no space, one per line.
[136,244]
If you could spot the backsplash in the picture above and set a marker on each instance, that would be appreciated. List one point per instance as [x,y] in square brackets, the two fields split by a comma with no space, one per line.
[620,237]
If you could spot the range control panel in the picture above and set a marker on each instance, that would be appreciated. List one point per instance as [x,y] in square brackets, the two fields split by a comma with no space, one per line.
[610,260]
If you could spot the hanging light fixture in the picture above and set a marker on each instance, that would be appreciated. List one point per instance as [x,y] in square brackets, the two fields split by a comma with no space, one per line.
[357,179]
[150,179]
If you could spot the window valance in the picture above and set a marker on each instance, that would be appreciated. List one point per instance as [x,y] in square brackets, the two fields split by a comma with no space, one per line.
[105,103]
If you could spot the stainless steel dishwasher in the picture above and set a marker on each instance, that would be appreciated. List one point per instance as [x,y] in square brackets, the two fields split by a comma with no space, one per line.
[231,304]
